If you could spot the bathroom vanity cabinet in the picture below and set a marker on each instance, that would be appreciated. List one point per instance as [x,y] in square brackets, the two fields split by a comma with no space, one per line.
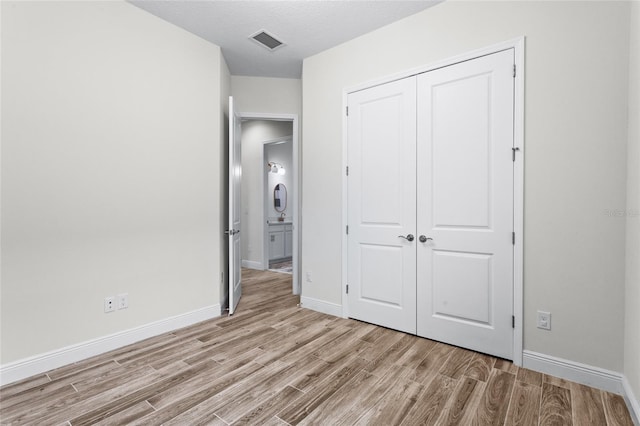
[280,240]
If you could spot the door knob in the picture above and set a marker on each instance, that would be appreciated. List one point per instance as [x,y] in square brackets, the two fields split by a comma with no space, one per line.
[424,239]
[409,237]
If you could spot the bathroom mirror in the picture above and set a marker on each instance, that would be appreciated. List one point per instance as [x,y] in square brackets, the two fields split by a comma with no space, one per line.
[280,197]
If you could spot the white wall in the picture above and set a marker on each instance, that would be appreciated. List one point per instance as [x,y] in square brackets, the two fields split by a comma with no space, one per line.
[110,172]
[254,133]
[266,94]
[632,296]
[576,137]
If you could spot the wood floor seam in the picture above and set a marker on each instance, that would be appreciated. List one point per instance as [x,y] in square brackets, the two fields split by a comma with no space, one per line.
[511,396]
[150,405]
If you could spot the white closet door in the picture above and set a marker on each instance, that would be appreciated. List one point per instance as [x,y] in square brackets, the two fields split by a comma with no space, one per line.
[465,204]
[382,205]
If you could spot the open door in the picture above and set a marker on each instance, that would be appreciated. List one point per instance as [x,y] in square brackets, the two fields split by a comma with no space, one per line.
[235,175]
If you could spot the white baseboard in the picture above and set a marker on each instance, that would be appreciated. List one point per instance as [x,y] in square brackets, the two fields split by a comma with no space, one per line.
[631,400]
[38,364]
[321,306]
[599,378]
[607,380]
[252,264]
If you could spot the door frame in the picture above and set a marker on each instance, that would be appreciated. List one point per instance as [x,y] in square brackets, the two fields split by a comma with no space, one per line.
[518,45]
[266,200]
[293,118]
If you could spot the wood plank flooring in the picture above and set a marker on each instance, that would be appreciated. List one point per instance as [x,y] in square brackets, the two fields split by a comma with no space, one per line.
[274,363]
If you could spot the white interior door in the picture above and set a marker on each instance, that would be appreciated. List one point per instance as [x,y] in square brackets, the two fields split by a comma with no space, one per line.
[235,176]
[465,204]
[382,205]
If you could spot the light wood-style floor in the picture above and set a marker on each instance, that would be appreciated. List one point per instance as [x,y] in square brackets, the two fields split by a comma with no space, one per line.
[273,363]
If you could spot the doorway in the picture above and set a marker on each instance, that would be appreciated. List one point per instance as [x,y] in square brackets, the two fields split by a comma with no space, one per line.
[262,218]
[278,201]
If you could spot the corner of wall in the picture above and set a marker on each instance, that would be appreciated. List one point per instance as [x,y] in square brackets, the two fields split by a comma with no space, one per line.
[632,268]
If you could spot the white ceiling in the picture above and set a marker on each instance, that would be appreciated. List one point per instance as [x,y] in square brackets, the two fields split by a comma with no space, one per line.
[306,27]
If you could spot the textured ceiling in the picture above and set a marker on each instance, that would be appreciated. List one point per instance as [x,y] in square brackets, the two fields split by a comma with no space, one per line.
[306,27]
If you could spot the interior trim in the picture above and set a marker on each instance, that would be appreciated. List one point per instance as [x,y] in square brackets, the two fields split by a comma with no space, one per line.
[42,363]
[251,264]
[321,306]
[589,375]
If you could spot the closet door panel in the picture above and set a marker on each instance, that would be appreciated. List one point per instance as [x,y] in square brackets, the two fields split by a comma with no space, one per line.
[465,204]
[382,206]
[464,286]
[460,166]
[381,263]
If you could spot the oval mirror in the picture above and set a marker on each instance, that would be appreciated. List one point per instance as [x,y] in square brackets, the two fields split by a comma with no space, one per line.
[280,197]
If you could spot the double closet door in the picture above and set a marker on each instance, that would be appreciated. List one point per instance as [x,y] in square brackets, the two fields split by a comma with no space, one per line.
[430,204]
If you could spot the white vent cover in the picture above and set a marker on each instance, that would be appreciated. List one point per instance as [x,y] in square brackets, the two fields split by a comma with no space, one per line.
[266,40]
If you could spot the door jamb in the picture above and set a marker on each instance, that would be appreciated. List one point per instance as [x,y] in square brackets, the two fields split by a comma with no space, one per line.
[518,45]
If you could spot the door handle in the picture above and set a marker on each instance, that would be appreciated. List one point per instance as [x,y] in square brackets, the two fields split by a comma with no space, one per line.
[424,239]
[232,231]
[409,237]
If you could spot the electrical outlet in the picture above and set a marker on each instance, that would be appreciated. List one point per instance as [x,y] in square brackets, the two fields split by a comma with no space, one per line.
[123,301]
[109,304]
[544,320]
[309,278]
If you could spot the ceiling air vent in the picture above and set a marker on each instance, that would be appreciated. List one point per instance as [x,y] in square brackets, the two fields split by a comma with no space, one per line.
[266,40]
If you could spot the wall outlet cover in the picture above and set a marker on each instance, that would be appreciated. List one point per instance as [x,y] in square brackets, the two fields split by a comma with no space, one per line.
[123,300]
[544,320]
[109,304]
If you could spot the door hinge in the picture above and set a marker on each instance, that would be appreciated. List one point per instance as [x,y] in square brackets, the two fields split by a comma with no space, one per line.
[513,153]
[347,170]
[347,288]
[513,321]
[514,70]
[347,229]
[347,111]
[513,238]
